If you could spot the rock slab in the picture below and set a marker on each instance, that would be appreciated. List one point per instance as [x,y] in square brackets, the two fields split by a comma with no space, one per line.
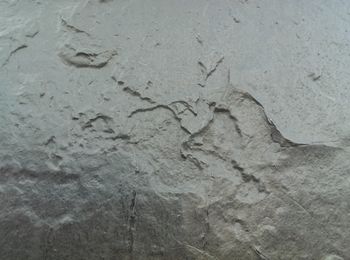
[158,129]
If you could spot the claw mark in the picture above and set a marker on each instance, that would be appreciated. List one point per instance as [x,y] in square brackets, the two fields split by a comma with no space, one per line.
[135,93]
[207,228]
[314,77]
[215,67]
[119,136]
[296,203]
[177,118]
[260,255]
[196,251]
[199,164]
[234,119]
[103,117]
[167,107]
[249,177]
[72,28]
[50,140]
[13,52]
[199,39]
[132,222]
[207,73]
[239,168]
[202,67]
[236,20]
[138,94]
[188,106]
[32,34]
[187,145]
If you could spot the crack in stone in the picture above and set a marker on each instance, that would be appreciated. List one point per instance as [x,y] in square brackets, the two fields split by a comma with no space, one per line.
[132,222]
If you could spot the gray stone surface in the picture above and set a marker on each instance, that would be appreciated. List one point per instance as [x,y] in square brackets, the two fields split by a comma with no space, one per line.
[188,129]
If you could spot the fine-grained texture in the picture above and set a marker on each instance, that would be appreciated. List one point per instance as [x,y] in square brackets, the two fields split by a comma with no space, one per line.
[187,129]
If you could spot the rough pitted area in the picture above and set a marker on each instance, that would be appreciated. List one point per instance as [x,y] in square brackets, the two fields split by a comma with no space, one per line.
[158,129]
